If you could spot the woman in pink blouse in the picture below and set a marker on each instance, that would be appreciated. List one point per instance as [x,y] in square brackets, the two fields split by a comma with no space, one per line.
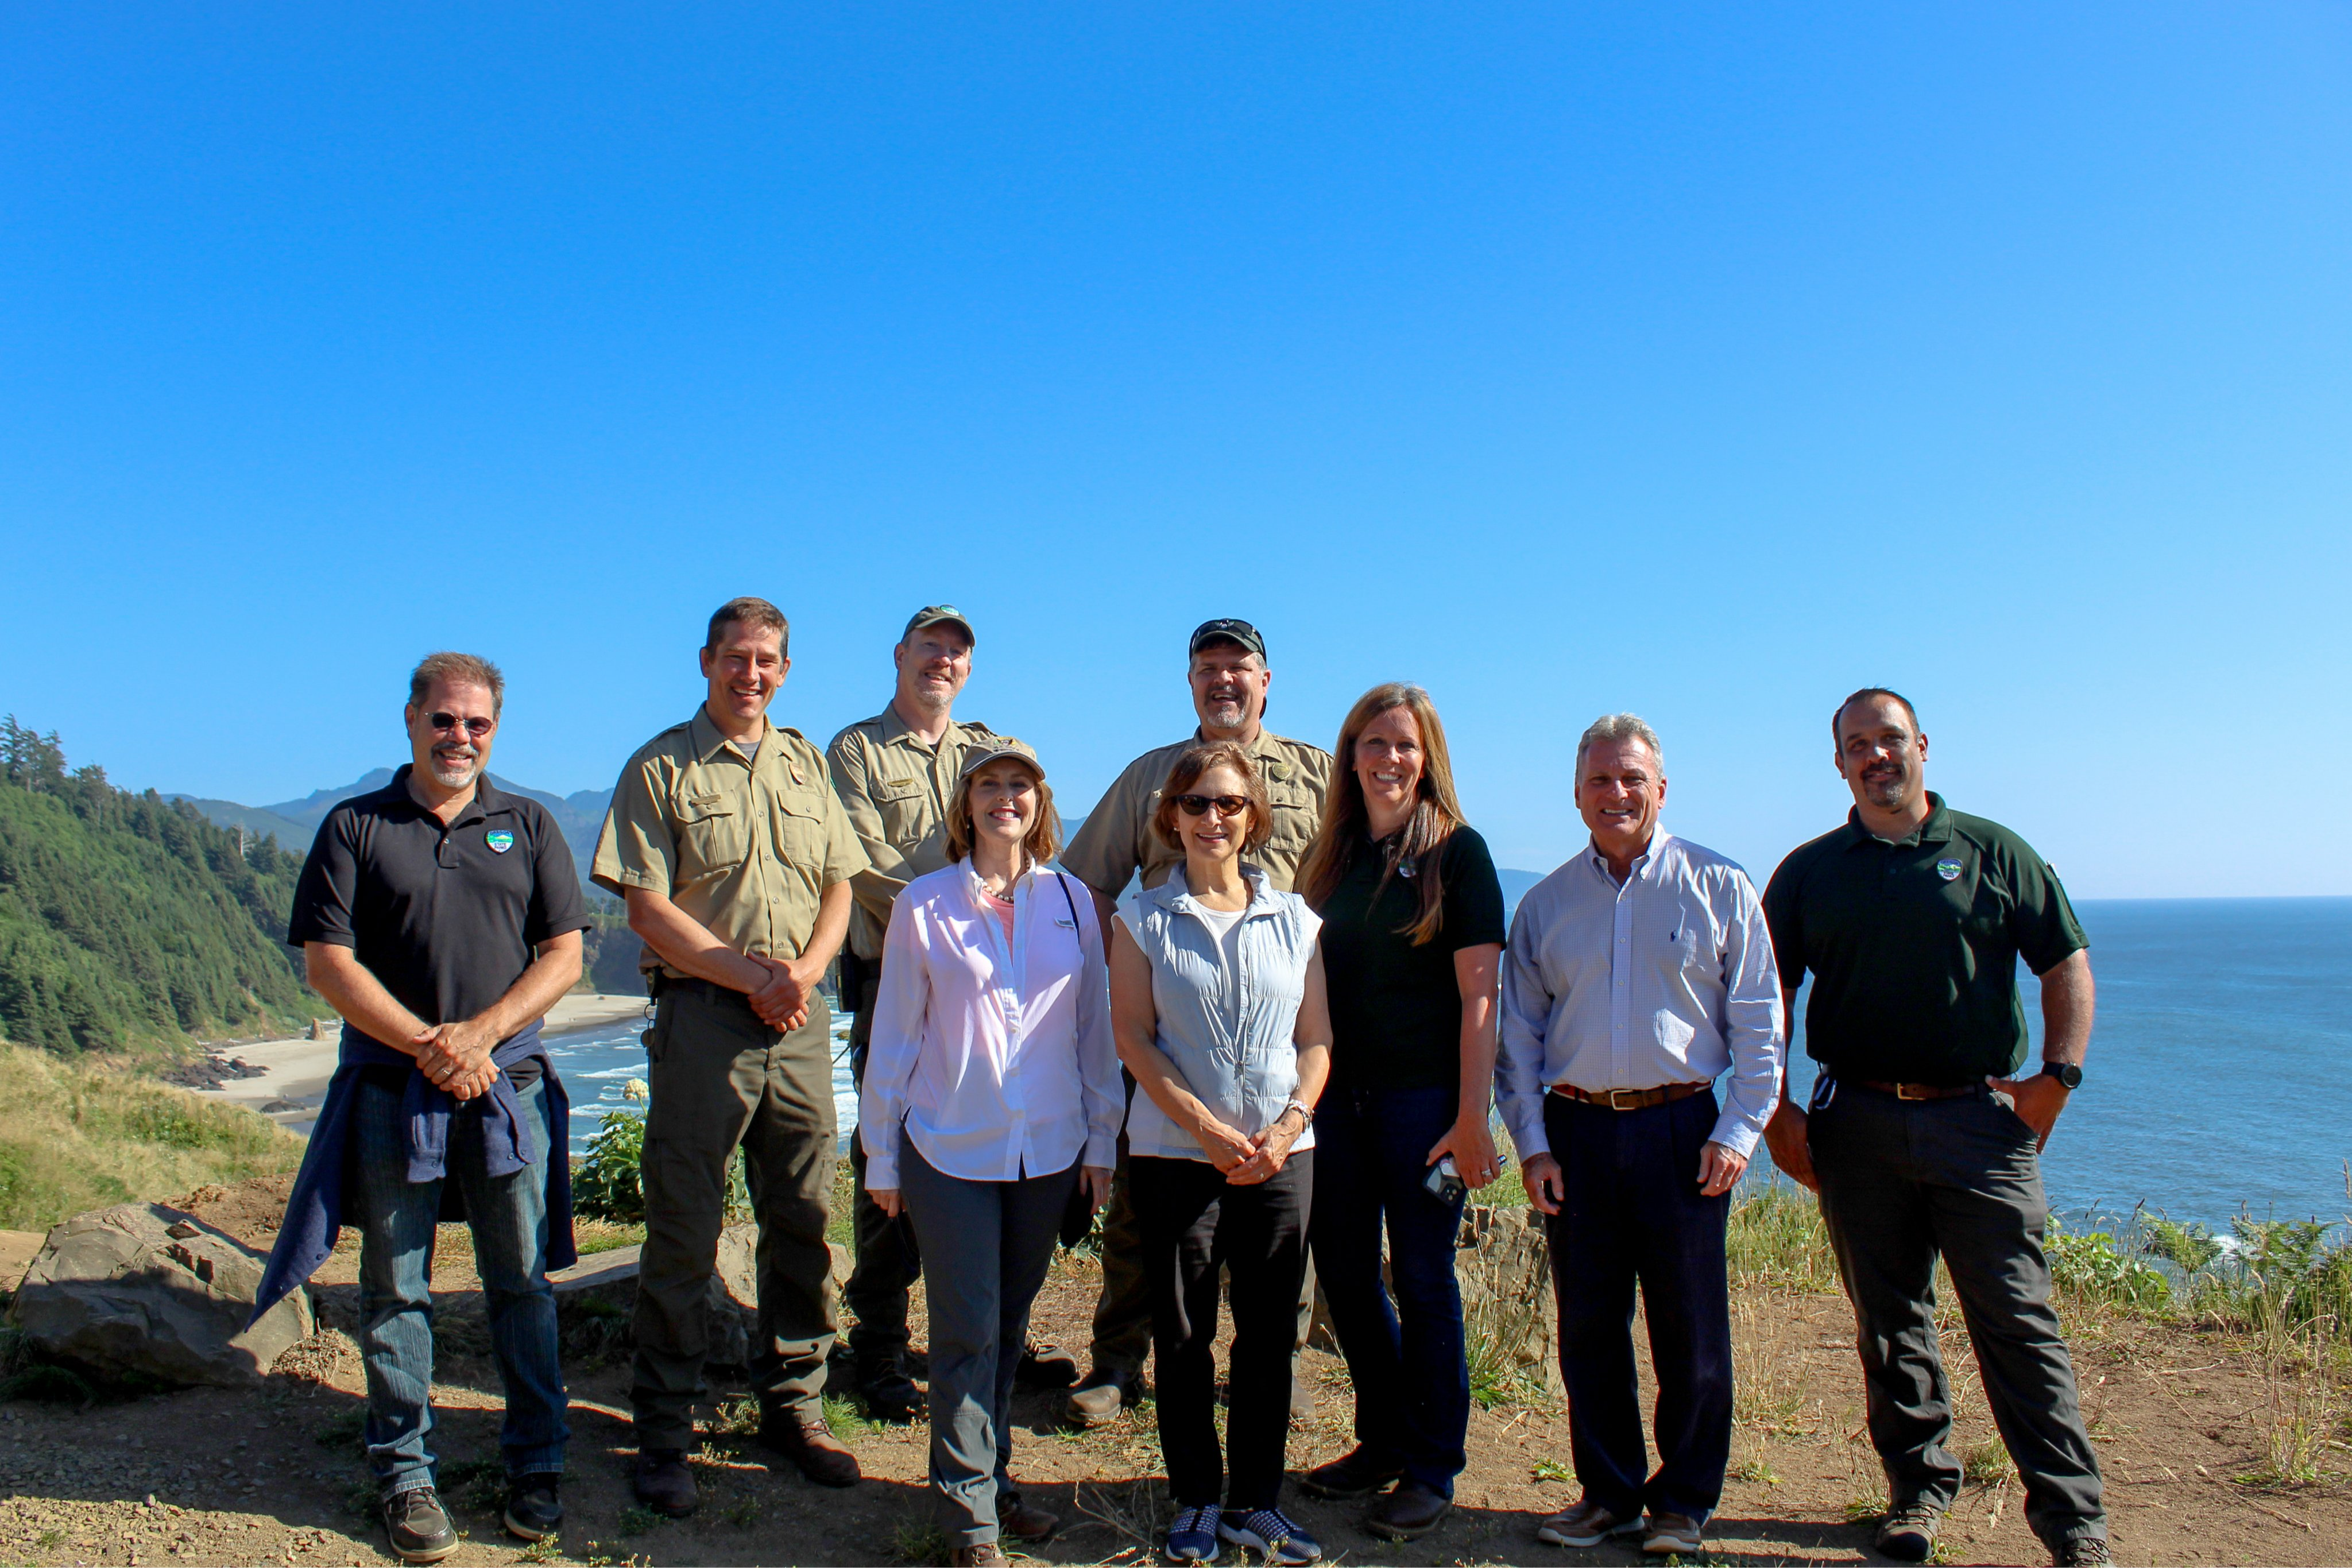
[991,1097]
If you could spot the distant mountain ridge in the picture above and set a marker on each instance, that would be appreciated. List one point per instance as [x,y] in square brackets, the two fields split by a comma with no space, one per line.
[579,816]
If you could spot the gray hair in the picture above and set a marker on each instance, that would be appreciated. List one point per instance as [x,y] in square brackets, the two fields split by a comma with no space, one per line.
[1619,727]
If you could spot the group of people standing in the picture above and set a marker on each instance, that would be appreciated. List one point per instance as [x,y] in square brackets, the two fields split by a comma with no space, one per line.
[1271,1073]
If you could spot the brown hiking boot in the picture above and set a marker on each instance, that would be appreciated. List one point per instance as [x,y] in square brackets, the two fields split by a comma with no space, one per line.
[1025,1521]
[800,1435]
[980,1554]
[664,1482]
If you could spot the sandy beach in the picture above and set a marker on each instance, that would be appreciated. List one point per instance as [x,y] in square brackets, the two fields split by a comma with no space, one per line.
[299,1068]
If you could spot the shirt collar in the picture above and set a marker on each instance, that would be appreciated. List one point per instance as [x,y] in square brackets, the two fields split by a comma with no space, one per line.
[890,727]
[1175,894]
[708,742]
[1936,829]
[1659,837]
[488,798]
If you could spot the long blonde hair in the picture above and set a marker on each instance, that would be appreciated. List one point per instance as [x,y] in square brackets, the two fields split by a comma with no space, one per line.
[1347,822]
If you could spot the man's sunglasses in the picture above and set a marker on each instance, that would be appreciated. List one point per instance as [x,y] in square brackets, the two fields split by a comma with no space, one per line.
[1198,805]
[476,728]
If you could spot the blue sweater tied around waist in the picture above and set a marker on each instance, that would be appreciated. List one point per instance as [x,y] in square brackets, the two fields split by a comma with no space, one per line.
[314,1211]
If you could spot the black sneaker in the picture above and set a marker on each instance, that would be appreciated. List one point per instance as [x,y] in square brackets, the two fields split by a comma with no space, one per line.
[534,1506]
[419,1527]
[1907,1534]
[2083,1551]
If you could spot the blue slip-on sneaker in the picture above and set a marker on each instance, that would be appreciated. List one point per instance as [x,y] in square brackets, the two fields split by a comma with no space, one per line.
[1269,1530]
[1193,1537]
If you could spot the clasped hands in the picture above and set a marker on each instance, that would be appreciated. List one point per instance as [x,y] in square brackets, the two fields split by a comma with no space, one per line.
[781,1000]
[457,1057]
[1248,1160]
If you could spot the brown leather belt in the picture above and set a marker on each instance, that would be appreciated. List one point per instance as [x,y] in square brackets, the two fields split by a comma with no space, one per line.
[1627,1099]
[1918,1090]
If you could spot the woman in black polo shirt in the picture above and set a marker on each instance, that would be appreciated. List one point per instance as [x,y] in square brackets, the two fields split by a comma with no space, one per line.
[1412,936]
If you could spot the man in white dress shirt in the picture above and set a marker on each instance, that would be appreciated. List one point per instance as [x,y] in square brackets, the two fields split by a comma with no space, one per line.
[1636,975]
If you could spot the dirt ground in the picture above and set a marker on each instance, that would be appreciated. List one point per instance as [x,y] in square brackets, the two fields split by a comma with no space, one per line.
[277,1476]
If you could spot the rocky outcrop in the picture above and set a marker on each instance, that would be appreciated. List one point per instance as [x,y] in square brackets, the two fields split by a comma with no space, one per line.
[144,1289]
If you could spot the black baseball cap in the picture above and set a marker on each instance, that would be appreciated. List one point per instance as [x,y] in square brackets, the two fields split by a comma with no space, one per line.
[1225,629]
[931,615]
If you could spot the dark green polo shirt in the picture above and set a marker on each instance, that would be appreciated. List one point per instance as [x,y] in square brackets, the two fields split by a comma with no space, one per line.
[1913,947]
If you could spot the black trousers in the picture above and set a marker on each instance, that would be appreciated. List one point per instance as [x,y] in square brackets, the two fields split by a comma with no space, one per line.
[1193,1222]
[889,1260]
[1903,1181]
[1632,1214]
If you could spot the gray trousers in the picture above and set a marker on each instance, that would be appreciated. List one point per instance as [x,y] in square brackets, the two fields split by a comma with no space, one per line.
[720,1078]
[1902,1181]
[986,1248]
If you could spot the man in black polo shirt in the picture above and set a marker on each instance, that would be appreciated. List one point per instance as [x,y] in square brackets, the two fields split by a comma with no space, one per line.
[441,917]
[1911,919]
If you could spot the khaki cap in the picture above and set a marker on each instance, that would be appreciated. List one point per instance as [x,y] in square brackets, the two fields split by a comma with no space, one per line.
[980,759]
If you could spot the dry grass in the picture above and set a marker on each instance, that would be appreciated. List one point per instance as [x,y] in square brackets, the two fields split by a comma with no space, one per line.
[78,1138]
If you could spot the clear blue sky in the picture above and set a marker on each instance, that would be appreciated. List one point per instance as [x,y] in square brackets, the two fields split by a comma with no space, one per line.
[1703,363]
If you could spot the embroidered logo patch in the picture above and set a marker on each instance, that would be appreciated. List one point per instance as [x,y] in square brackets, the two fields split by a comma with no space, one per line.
[500,840]
[1948,869]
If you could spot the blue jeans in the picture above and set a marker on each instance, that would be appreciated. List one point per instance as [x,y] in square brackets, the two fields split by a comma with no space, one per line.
[508,1215]
[1405,1354]
[1632,1214]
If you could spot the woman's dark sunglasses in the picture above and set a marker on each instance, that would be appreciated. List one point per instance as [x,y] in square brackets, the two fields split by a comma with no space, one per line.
[1198,805]
[476,728]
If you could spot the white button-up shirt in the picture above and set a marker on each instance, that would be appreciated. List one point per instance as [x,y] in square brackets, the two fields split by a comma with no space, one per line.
[995,1057]
[1666,979]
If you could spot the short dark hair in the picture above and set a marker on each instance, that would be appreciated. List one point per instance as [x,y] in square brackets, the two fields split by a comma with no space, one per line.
[1197,760]
[467,668]
[751,612]
[1865,696]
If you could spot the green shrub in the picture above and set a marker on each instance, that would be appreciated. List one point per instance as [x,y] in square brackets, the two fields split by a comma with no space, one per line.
[2092,1265]
[609,1183]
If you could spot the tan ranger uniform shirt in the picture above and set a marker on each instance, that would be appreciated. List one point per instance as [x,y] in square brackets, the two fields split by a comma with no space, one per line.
[1117,840]
[896,787]
[746,847]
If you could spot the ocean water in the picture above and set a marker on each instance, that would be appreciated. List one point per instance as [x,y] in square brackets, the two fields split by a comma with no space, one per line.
[2217,1082]
[598,1064]
[2220,1077]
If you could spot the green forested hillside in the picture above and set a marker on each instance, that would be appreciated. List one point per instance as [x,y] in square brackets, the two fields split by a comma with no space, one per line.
[129,920]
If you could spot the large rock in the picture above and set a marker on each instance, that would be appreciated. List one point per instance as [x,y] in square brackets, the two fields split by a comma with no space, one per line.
[143,1289]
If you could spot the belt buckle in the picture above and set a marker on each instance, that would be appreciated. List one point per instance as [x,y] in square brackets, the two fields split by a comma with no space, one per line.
[1911,1091]
[1616,1104]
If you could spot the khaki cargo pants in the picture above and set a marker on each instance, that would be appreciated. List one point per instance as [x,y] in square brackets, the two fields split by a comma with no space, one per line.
[720,1078]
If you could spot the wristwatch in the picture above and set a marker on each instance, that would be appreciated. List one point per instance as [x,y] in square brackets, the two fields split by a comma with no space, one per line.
[2068,1075]
[1306,1113]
